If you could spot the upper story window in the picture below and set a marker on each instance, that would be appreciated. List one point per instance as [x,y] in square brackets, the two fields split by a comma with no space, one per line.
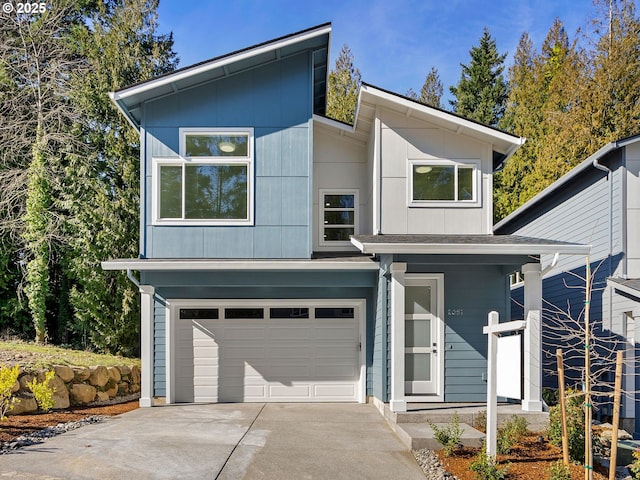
[211,183]
[338,217]
[443,183]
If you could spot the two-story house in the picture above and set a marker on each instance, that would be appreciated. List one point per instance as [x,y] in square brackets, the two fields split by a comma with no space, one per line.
[285,256]
[598,202]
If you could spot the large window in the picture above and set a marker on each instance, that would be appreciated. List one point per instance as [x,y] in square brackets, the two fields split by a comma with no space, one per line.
[442,182]
[338,216]
[210,183]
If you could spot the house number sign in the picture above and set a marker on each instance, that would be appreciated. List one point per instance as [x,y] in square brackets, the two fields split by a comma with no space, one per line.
[455,312]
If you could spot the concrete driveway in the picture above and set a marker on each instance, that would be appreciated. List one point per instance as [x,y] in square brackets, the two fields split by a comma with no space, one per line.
[225,442]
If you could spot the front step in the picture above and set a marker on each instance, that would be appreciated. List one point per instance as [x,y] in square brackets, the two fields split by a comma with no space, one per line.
[420,435]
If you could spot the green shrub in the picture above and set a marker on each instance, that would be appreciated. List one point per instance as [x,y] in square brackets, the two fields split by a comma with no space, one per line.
[559,471]
[635,465]
[8,377]
[43,392]
[510,433]
[486,467]
[480,421]
[575,426]
[449,435]
[550,396]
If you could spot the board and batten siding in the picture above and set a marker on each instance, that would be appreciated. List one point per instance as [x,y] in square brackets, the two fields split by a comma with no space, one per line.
[258,285]
[404,138]
[275,100]
[339,163]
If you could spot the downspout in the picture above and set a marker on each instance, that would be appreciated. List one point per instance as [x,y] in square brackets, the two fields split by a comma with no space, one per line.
[608,171]
[553,263]
[133,279]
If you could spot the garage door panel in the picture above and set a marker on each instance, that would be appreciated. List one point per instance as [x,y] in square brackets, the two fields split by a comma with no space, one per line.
[257,360]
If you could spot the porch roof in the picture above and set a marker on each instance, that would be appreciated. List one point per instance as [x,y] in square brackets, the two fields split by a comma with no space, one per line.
[630,286]
[464,245]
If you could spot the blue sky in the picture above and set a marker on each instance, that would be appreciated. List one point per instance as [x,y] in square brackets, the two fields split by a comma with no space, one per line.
[395,43]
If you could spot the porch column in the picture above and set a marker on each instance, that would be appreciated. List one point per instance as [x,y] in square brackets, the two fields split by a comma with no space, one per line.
[397,402]
[146,344]
[532,401]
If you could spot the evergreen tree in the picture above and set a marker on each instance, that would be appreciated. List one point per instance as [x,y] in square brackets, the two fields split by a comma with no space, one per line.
[431,91]
[343,88]
[122,47]
[482,91]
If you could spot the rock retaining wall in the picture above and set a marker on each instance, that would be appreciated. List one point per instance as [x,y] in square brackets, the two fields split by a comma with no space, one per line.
[80,386]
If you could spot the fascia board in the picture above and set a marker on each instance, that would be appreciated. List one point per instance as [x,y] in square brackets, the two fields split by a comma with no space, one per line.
[151,84]
[124,111]
[516,142]
[192,265]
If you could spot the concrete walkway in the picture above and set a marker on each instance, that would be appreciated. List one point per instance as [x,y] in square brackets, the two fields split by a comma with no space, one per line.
[225,441]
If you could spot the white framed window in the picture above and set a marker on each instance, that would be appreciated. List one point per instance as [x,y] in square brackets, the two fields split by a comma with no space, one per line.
[338,214]
[211,183]
[443,183]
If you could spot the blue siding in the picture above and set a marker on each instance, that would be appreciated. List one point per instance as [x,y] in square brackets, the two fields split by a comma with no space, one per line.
[159,351]
[275,100]
[379,349]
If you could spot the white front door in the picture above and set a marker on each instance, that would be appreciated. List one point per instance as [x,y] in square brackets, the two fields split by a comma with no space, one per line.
[421,343]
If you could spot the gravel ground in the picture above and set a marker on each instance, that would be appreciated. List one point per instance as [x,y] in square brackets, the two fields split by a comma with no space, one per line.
[431,466]
[41,435]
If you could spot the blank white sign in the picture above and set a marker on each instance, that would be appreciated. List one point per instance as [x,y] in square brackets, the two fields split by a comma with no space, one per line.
[509,367]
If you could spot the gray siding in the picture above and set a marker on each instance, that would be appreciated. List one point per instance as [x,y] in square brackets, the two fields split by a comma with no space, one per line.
[276,101]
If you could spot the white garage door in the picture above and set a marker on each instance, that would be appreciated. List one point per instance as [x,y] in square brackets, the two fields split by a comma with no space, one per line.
[257,353]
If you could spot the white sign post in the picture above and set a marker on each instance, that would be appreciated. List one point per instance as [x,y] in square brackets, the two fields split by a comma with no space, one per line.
[493,330]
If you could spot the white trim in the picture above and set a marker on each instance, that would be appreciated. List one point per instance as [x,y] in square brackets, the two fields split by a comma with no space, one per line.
[469,248]
[397,402]
[455,203]
[147,319]
[377,179]
[321,209]
[359,305]
[141,265]
[183,160]
[623,288]
[419,279]
[199,69]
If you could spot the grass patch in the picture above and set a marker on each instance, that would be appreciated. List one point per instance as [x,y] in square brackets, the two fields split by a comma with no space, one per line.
[45,356]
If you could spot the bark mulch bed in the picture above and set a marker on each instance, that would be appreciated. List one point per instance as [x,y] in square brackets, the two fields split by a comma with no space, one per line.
[16,425]
[530,459]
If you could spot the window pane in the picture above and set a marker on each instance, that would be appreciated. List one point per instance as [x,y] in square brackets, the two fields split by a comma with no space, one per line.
[339,201]
[339,218]
[417,299]
[216,192]
[431,182]
[246,313]
[209,145]
[417,333]
[170,191]
[465,183]
[337,234]
[289,313]
[198,313]
[417,367]
[334,312]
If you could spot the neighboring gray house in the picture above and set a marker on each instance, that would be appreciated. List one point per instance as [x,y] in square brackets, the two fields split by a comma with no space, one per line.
[597,203]
[285,256]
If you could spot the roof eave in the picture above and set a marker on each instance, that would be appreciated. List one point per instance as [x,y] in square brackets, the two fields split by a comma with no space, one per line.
[467,249]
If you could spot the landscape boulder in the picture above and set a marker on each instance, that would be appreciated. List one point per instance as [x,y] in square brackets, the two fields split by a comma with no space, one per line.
[102,396]
[65,373]
[80,374]
[25,405]
[135,374]
[60,393]
[24,380]
[81,393]
[114,374]
[125,370]
[99,376]
[16,387]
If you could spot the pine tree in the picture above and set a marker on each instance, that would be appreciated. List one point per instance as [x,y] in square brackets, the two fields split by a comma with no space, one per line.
[431,91]
[481,91]
[344,85]
[102,191]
